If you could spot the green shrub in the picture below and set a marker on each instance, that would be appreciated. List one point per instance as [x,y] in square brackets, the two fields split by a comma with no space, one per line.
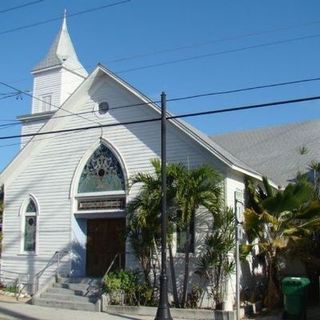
[125,287]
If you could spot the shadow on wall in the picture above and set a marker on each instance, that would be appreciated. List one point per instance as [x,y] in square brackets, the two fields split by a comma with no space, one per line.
[78,260]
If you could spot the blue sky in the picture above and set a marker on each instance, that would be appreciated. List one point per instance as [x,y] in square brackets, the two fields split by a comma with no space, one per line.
[146,27]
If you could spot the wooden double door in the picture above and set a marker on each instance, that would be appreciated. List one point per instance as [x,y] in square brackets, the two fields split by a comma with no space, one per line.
[105,241]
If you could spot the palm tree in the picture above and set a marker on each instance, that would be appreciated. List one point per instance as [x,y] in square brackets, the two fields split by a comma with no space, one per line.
[214,264]
[187,190]
[144,218]
[280,221]
[195,188]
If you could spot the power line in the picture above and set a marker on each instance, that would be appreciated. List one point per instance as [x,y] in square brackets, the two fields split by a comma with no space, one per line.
[218,53]
[59,18]
[9,96]
[21,6]
[170,117]
[195,96]
[237,37]
[7,125]
[200,44]
[248,107]
[43,101]
[33,140]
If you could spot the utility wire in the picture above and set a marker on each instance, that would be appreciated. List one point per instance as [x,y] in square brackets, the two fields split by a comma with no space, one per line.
[34,140]
[7,125]
[218,53]
[170,117]
[58,107]
[141,55]
[201,44]
[21,6]
[195,96]
[248,107]
[78,13]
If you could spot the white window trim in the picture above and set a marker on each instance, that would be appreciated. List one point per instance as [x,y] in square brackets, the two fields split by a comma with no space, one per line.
[23,214]
[46,106]
[105,194]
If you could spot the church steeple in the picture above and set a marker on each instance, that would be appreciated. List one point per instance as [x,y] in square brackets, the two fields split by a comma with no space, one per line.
[57,75]
[55,78]
[61,53]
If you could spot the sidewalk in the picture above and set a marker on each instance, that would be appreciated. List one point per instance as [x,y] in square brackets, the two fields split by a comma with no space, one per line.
[13,310]
[313,313]
[20,310]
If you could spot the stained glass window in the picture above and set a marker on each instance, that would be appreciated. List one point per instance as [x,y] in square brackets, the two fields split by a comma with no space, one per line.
[30,226]
[30,233]
[31,206]
[102,172]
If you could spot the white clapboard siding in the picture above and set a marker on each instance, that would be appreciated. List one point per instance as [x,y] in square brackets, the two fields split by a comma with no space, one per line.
[46,83]
[49,172]
[28,128]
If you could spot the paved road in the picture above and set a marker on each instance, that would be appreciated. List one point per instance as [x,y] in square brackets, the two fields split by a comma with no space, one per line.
[11,310]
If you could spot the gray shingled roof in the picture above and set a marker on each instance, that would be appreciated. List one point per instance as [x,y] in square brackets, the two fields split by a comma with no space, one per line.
[62,53]
[276,152]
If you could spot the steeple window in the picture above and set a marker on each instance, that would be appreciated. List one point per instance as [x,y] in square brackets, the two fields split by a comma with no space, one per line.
[46,103]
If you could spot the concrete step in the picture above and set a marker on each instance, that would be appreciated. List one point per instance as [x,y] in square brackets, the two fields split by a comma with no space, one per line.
[66,304]
[63,291]
[86,280]
[79,288]
[72,293]
[75,286]
[69,297]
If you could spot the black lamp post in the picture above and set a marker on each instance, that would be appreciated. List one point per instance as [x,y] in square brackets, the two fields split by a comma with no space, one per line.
[163,312]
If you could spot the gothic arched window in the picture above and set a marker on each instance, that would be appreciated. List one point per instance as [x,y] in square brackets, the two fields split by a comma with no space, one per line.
[101,173]
[30,226]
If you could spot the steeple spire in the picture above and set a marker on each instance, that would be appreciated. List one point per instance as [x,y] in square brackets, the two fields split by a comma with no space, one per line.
[61,53]
[64,22]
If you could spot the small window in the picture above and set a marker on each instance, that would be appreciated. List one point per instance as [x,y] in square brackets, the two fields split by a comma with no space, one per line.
[46,103]
[30,227]
[30,233]
[103,107]
[182,238]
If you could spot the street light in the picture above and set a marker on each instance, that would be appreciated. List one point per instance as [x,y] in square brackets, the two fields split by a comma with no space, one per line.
[163,311]
[238,199]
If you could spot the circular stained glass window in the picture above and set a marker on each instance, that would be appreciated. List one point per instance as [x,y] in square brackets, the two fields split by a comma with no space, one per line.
[103,107]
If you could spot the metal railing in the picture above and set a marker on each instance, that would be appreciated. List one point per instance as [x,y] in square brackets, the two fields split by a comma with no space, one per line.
[112,263]
[21,281]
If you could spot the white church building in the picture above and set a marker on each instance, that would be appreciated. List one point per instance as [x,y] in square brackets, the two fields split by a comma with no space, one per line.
[65,194]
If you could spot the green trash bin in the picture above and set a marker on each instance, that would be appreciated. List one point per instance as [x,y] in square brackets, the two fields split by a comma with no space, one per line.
[295,292]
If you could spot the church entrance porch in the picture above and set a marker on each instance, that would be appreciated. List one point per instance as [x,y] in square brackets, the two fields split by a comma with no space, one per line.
[105,243]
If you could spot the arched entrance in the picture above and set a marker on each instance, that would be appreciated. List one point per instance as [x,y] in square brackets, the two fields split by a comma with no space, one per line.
[100,205]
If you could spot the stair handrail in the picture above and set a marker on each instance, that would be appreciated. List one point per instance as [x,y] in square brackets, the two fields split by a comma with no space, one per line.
[60,254]
[56,257]
[110,265]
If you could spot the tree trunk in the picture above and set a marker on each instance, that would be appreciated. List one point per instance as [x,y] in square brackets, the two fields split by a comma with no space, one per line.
[273,296]
[186,269]
[173,278]
[146,267]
